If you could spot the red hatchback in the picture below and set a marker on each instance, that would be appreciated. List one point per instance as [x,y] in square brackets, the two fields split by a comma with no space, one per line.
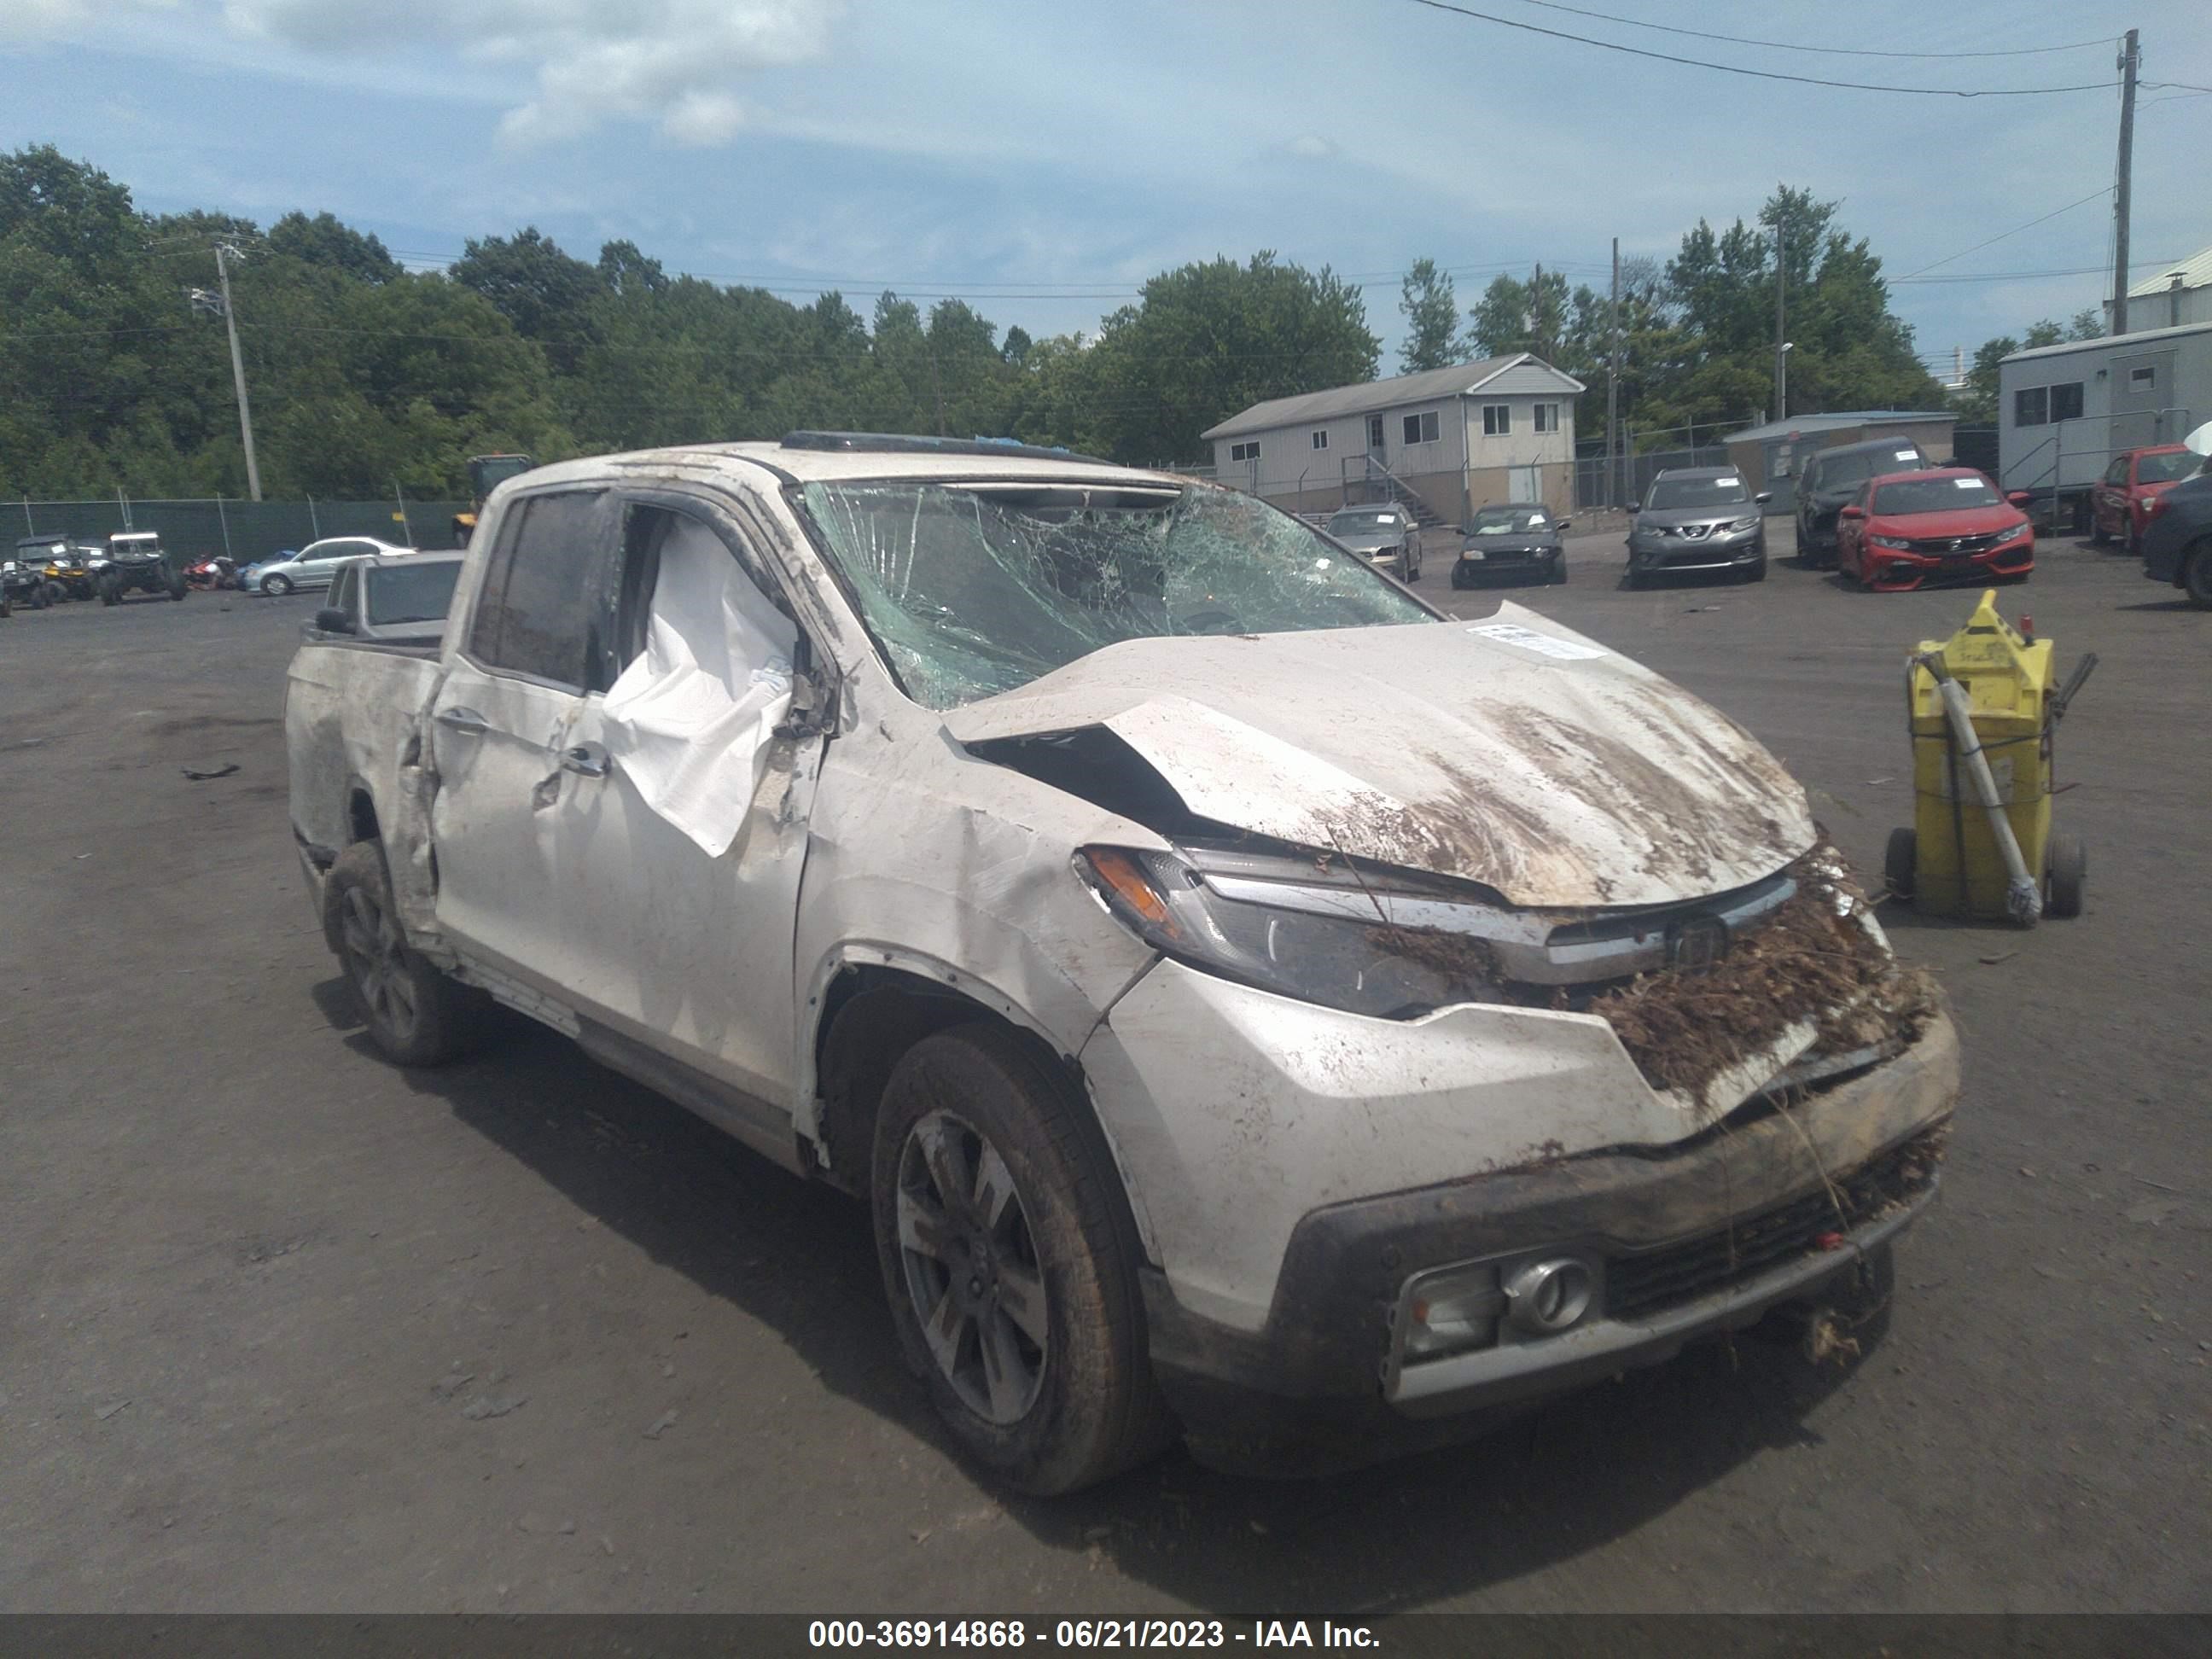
[1907,529]
[2119,506]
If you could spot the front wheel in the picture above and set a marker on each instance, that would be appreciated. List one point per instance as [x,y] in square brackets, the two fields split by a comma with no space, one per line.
[276,586]
[2196,575]
[1009,1260]
[1756,571]
[1899,861]
[111,593]
[415,1015]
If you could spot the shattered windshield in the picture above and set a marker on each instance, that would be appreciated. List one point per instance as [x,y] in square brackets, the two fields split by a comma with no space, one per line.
[973,588]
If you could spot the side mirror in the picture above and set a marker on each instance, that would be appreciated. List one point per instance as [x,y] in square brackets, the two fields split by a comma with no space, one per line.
[1852,512]
[1634,507]
[1762,498]
[332,620]
[1563,523]
[2020,498]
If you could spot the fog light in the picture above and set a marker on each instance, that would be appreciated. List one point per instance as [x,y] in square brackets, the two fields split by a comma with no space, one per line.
[1451,1310]
[1545,1298]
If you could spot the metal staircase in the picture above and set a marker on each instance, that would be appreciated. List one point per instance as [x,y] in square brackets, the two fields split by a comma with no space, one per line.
[1369,481]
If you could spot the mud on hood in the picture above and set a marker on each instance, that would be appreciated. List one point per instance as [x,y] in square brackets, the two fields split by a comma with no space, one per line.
[1508,751]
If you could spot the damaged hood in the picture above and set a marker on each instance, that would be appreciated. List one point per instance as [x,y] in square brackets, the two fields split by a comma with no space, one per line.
[1508,751]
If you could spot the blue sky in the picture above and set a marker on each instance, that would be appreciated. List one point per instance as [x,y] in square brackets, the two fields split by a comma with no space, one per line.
[1042,160]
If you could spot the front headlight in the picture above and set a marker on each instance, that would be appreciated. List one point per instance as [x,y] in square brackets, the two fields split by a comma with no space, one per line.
[1737,526]
[1896,542]
[1296,939]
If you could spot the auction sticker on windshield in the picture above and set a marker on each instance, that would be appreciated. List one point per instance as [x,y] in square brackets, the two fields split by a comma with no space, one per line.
[1528,639]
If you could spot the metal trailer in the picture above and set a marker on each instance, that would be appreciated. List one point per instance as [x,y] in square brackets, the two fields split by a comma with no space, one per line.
[2065,411]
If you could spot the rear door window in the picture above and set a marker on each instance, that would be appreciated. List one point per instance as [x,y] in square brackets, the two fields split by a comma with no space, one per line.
[542,611]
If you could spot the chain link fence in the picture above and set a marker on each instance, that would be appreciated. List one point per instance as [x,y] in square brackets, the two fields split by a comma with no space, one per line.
[244,531]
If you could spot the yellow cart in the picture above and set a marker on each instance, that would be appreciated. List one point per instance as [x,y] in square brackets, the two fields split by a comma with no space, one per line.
[1953,861]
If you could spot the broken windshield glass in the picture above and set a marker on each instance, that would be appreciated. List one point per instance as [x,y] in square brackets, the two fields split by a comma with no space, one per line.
[969,589]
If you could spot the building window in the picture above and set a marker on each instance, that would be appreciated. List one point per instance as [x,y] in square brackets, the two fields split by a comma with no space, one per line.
[1496,420]
[2142,380]
[2030,406]
[1421,428]
[1320,439]
[1245,452]
[1547,417]
[2066,401]
[1375,433]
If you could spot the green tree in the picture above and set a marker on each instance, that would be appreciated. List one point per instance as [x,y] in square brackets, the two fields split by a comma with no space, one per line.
[326,241]
[1514,316]
[545,293]
[1977,403]
[1206,340]
[1431,313]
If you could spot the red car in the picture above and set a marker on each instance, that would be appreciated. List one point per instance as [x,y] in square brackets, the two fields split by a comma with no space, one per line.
[1908,530]
[2119,506]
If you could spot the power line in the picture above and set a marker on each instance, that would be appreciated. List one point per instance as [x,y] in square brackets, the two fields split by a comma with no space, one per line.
[1796,46]
[2101,190]
[1764,75]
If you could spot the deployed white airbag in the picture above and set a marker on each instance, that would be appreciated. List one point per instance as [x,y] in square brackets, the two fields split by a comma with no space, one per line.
[690,722]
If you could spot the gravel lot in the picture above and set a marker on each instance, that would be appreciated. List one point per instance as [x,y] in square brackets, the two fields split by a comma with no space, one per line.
[287,1329]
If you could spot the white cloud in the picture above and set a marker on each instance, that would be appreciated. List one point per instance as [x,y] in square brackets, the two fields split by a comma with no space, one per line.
[61,19]
[669,62]
[1313,144]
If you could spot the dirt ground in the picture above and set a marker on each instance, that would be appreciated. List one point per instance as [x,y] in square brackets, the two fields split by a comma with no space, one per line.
[284,1327]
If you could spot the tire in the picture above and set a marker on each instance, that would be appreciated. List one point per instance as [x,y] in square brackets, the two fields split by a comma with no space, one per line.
[1636,578]
[111,593]
[1758,571]
[276,586]
[2133,543]
[2197,574]
[2069,869]
[1900,861]
[1558,576]
[1459,577]
[415,1015]
[177,590]
[1073,1400]
[2099,536]
[55,593]
[6,605]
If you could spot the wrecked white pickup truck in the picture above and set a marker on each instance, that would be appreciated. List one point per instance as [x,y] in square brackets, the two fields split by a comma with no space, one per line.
[1251,1003]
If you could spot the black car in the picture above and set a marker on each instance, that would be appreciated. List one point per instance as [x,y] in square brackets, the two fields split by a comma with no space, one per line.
[1519,541]
[137,564]
[2177,546]
[1831,477]
[23,579]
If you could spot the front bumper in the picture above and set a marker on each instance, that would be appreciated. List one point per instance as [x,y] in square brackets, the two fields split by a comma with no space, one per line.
[1673,553]
[1702,1237]
[1478,564]
[1893,570]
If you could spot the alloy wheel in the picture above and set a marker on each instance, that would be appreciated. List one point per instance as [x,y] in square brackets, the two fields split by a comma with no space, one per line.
[969,1265]
[378,959]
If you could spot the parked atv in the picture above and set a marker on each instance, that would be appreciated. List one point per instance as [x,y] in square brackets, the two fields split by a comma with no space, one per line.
[23,581]
[137,564]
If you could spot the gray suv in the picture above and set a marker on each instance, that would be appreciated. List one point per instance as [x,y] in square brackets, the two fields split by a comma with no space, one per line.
[1698,518]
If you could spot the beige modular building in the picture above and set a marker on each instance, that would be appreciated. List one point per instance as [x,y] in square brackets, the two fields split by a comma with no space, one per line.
[1452,439]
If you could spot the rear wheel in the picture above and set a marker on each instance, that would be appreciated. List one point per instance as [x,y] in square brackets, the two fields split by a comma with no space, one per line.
[2070,868]
[1011,1263]
[1899,860]
[415,1015]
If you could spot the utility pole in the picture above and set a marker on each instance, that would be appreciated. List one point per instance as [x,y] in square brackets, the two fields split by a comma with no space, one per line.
[1612,390]
[1781,351]
[2130,58]
[223,253]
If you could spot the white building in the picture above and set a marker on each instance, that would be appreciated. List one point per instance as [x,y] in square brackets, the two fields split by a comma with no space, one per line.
[2175,295]
[1453,439]
[2063,411]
